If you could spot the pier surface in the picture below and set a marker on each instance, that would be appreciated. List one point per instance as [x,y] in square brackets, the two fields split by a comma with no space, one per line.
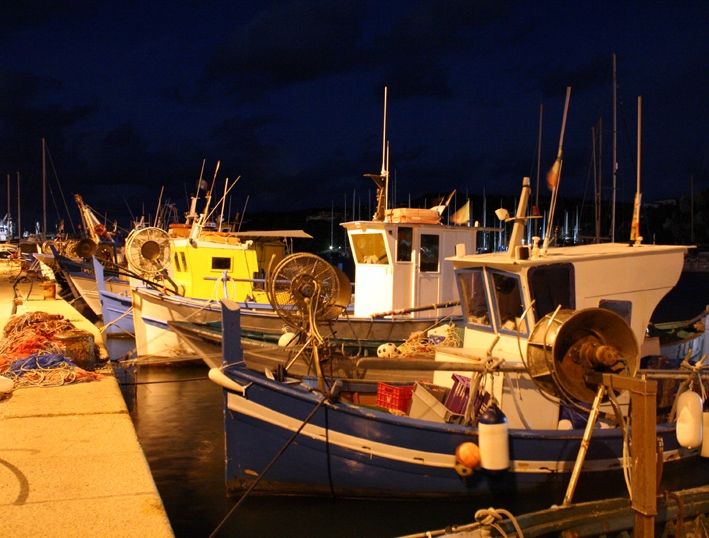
[70,460]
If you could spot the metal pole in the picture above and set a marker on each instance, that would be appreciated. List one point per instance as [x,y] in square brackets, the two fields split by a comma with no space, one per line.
[44,188]
[581,456]
[615,155]
[19,220]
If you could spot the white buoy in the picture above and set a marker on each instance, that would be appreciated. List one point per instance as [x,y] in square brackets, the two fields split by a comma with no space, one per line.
[705,437]
[689,419]
[287,339]
[6,384]
[493,440]
[387,351]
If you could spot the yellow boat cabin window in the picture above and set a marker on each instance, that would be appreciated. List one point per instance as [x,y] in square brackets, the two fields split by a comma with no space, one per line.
[220,263]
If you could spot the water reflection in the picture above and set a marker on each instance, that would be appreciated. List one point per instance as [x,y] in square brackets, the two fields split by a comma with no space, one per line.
[178,417]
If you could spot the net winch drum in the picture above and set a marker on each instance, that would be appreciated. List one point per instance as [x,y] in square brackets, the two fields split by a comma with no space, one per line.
[105,252]
[304,279]
[85,248]
[148,251]
[567,345]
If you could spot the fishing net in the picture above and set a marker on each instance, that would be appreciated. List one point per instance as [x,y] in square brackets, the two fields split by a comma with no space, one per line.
[419,343]
[31,355]
[49,370]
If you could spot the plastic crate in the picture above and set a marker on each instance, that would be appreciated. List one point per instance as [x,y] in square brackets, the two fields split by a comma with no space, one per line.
[458,396]
[394,397]
[426,404]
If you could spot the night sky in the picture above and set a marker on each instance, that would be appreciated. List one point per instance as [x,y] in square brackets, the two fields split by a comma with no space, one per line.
[131,96]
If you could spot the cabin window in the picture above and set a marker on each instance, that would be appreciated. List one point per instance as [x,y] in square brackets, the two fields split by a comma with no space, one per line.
[177,262]
[551,286]
[184,261]
[509,301]
[429,253]
[221,264]
[623,308]
[404,240]
[370,248]
[471,287]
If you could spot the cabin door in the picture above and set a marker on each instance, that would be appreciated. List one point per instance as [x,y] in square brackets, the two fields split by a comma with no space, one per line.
[428,279]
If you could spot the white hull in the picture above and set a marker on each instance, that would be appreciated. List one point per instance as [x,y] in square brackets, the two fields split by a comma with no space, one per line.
[87,289]
[151,312]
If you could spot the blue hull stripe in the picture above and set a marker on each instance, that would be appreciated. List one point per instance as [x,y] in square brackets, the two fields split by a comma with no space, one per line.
[368,448]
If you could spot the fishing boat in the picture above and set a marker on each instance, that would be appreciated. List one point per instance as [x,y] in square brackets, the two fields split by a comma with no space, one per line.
[186,270]
[80,278]
[403,285]
[403,281]
[115,301]
[73,259]
[550,333]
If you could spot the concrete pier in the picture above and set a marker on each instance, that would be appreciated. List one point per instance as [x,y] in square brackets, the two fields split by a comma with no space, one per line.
[70,460]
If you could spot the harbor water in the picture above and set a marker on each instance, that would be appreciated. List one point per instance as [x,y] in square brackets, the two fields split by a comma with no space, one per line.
[178,416]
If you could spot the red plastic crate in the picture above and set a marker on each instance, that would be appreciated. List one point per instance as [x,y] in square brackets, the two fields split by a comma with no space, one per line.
[393,397]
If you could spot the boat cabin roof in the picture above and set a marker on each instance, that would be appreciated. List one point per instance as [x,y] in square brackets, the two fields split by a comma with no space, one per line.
[570,254]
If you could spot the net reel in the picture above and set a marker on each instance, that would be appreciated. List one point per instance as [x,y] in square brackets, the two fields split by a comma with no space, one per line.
[85,248]
[567,346]
[147,251]
[306,290]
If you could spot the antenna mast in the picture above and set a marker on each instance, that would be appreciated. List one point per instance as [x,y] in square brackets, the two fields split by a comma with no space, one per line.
[44,187]
[381,180]
[615,155]
[385,155]
[635,227]
[554,175]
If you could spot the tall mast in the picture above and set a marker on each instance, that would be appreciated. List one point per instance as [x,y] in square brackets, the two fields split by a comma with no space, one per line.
[635,226]
[19,220]
[44,188]
[385,156]
[554,175]
[615,155]
[381,180]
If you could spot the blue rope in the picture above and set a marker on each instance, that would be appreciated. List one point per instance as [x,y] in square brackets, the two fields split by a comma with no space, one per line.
[38,361]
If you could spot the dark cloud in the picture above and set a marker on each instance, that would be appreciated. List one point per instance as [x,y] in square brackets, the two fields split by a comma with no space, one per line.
[19,16]
[289,43]
[133,96]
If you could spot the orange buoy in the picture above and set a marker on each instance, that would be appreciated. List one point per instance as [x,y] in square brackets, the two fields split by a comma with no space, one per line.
[468,454]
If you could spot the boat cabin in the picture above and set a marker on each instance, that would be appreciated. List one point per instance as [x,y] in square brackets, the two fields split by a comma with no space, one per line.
[503,298]
[401,262]
[199,265]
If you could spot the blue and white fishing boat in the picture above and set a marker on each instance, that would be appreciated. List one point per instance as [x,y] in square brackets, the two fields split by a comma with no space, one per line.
[116,304]
[541,325]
